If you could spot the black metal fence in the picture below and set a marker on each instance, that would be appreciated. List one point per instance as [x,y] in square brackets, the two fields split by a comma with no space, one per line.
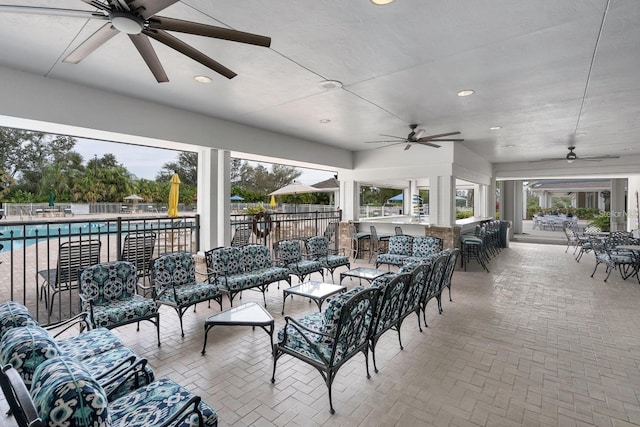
[35,253]
[269,228]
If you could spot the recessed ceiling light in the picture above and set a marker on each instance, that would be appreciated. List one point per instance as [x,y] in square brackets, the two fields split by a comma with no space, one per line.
[581,134]
[627,149]
[330,84]
[325,121]
[509,146]
[203,79]
[495,127]
[466,92]
[381,2]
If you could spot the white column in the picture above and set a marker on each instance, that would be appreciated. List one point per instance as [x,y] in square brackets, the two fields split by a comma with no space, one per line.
[442,208]
[633,202]
[214,193]
[512,210]
[618,206]
[479,202]
[349,200]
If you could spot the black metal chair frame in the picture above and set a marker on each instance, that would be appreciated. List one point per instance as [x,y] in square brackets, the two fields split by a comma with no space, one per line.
[241,236]
[137,248]
[433,287]
[21,407]
[451,267]
[328,368]
[72,257]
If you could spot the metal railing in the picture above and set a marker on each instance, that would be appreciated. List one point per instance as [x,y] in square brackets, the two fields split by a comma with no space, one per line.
[269,228]
[29,249]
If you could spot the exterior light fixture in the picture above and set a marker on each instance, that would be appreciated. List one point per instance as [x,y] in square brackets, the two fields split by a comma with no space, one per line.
[203,79]
[381,2]
[330,84]
[495,127]
[466,92]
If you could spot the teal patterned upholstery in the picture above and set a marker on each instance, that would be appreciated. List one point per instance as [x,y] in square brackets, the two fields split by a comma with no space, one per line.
[14,314]
[176,286]
[318,247]
[400,247]
[89,343]
[108,294]
[66,394]
[290,257]
[235,269]
[327,340]
[27,347]
[407,249]
[435,279]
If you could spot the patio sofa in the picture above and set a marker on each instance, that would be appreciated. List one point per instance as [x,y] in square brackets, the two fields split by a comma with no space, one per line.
[405,249]
[235,269]
[25,345]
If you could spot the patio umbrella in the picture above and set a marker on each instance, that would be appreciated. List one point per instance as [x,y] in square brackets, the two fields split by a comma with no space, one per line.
[134,198]
[51,198]
[295,188]
[174,193]
[237,198]
[272,202]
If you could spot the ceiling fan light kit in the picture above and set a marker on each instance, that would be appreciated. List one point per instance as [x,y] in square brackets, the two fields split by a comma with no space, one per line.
[126,22]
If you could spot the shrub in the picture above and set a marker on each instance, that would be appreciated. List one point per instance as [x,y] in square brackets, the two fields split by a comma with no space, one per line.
[603,221]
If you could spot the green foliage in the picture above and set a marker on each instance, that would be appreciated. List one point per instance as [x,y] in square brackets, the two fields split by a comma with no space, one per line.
[460,214]
[603,221]
[252,210]
[186,166]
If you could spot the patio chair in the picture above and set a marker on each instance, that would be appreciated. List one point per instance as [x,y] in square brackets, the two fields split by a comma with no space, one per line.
[572,237]
[67,394]
[108,294]
[241,236]
[72,257]
[137,248]
[606,253]
[433,288]
[357,239]
[174,278]
[451,267]
[376,241]
[585,240]
[329,339]
[318,249]
[290,257]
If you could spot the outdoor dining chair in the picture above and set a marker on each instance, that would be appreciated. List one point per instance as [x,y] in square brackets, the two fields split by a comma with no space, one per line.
[72,257]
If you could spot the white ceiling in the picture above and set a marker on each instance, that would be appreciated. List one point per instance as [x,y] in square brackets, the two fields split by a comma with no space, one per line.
[529,62]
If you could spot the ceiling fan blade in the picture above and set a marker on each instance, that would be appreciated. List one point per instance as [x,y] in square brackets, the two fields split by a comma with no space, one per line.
[187,50]
[407,146]
[390,145]
[98,5]
[393,136]
[375,142]
[73,13]
[142,43]
[150,7]
[96,40]
[428,143]
[440,135]
[554,159]
[598,158]
[442,140]
[188,27]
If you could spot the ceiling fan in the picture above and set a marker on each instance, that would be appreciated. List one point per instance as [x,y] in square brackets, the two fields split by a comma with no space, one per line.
[572,157]
[418,137]
[138,19]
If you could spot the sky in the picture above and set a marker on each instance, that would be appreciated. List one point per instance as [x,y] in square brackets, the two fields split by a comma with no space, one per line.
[146,162]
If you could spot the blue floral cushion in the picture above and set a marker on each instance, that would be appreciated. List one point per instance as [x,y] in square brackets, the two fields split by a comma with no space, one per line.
[102,365]
[239,281]
[227,261]
[177,268]
[318,247]
[392,259]
[106,282]
[14,314]
[89,343]
[305,267]
[400,245]
[65,394]
[25,348]
[333,310]
[289,252]
[255,257]
[426,246]
[272,274]
[296,342]
[187,294]
[153,404]
[122,311]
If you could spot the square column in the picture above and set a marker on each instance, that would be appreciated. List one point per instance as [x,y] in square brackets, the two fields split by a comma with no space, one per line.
[214,192]
[442,207]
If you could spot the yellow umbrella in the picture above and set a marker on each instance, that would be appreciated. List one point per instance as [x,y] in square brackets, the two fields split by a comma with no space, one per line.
[174,192]
[272,203]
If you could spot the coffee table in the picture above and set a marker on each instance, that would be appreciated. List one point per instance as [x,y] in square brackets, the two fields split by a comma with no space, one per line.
[316,291]
[369,274]
[249,314]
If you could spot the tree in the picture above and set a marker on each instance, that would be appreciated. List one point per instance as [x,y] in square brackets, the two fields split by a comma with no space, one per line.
[186,166]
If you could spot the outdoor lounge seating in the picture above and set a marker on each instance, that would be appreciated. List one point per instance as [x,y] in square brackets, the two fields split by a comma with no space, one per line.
[235,269]
[174,277]
[26,347]
[66,393]
[327,340]
[72,257]
[290,257]
[433,287]
[108,294]
[318,249]
[405,249]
